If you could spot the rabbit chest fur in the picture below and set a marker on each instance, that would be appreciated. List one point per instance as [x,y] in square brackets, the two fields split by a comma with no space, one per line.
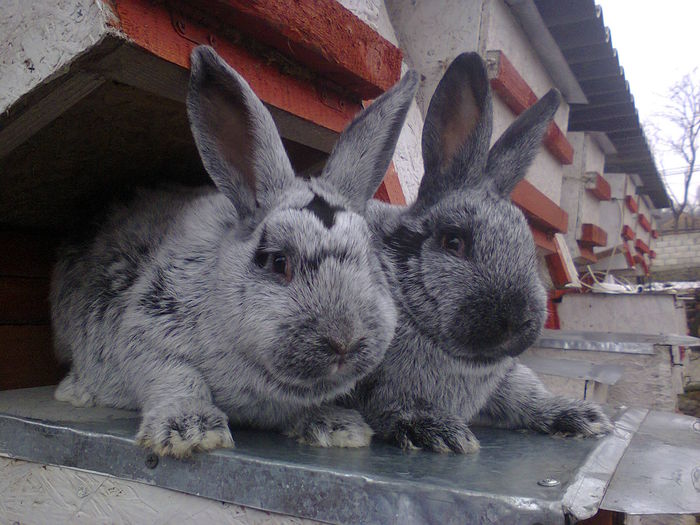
[256,301]
[464,274]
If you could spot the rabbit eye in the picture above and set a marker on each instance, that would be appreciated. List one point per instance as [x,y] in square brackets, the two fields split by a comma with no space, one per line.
[280,265]
[454,244]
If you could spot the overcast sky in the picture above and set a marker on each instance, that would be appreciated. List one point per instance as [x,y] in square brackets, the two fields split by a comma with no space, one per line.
[657,43]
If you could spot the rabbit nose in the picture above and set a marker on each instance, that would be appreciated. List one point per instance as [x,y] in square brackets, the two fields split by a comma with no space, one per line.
[337,346]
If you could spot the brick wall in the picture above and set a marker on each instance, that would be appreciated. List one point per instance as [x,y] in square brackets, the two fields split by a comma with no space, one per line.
[677,256]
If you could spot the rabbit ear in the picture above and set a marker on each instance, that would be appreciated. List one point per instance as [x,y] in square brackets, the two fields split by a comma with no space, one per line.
[515,150]
[235,134]
[361,156]
[457,129]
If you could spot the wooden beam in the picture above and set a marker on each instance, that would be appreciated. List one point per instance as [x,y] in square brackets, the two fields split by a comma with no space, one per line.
[592,235]
[631,203]
[628,233]
[539,209]
[320,34]
[27,358]
[543,240]
[641,246]
[390,189]
[149,25]
[644,222]
[517,95]
[654,234]
[24,300]
[598,187]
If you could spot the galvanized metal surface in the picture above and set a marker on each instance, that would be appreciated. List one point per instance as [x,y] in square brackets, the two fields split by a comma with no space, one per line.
[608,374]
[611,341]
[379,484]
[660,471]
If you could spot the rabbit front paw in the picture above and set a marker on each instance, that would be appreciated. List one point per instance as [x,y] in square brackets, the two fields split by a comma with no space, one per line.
[181,427]
[437,433]
[585,419]
[333,427]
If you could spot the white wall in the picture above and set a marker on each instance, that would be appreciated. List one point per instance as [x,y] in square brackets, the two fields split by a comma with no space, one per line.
[33,52]
[407,157]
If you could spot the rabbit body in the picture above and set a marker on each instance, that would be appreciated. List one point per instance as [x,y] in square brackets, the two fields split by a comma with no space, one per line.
[255,302]
[463,270]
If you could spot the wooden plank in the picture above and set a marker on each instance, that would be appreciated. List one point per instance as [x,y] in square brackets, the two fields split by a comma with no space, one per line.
[543,240]
[27,357]
[644,222]
[320,34]
[586,254]
[628,255]
[149,26]
[599,187]
[44,111]
[24,300]
[390,189]
[641,246]
[592,235]
[631,203]
[26,255]
[628,233]
[539,209]
[518,96]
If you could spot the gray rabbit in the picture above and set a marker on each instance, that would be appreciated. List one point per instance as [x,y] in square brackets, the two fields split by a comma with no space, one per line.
[255,302]
[462,267]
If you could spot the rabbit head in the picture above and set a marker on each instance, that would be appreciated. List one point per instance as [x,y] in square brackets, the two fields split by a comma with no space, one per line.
[299,287]
[466,264]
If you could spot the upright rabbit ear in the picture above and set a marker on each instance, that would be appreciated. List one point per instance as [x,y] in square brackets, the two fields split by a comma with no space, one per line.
[361,156]
[515,150]
[235,134]
[457,129]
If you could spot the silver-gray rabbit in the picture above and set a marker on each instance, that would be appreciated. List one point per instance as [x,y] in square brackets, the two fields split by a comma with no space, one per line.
[462,267]
[254,302]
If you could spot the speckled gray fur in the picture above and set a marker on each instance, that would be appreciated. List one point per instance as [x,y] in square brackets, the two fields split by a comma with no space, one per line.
[462,267]
[175,307]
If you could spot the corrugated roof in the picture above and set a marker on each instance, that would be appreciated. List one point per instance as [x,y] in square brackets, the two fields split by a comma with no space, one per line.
[578,29]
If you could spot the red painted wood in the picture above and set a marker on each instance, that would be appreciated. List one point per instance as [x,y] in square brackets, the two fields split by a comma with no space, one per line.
[24,300]
[27,357]
[641,246]
[148,25]
[586,253]
[390,189]
[644,222]
[26,255]
[320,34]
[552,322]
[593,235]
[518,96]
[600,188]
[557,270]
[628,255]
[652,254]
[628,233]
[543,240]
[654,234]
[631,203]
[540,210]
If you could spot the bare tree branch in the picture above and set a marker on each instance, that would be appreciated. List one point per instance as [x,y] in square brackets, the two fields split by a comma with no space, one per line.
[680,133]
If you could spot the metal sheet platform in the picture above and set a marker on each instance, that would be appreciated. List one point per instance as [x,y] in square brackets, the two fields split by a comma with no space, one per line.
[379,484]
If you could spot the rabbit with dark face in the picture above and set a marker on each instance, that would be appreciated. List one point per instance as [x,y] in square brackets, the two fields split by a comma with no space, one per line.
[255,302]
[462,267]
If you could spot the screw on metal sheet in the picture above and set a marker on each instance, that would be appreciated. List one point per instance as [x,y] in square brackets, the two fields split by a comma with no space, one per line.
[151,461]
[548,482]
[696,425]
